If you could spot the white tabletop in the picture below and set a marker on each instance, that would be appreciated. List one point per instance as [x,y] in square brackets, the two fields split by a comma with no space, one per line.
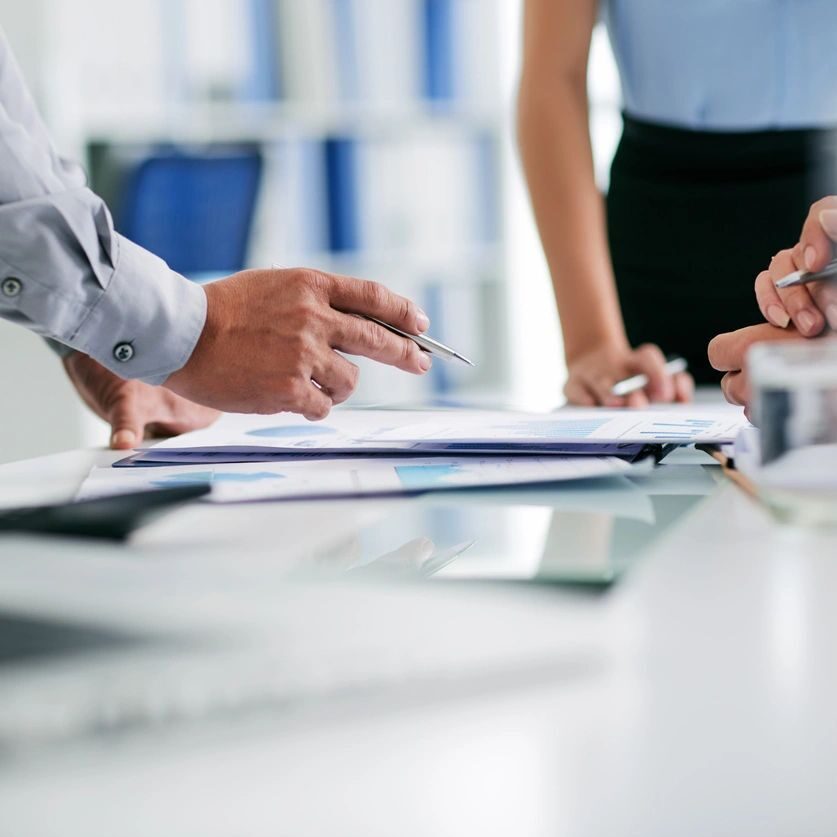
[696,697]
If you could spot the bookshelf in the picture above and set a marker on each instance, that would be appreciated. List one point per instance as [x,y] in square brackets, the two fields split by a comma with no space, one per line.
[382,126]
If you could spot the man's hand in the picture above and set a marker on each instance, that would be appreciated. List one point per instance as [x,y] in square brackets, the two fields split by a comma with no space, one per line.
[593,374]
[272,337]
[131,407]
[728,353]
[810,307]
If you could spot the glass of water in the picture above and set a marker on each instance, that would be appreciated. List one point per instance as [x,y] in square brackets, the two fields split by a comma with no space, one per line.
[794,405]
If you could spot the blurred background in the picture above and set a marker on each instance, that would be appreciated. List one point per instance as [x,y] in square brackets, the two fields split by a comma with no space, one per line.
[373,138]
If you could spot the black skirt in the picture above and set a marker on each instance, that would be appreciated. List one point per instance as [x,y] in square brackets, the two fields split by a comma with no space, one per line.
[694,216]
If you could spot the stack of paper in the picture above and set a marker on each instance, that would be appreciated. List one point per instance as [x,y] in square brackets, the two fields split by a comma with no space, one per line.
[626,433]
[358,453]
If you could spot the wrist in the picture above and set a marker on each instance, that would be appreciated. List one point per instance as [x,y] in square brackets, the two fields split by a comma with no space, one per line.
[577,347]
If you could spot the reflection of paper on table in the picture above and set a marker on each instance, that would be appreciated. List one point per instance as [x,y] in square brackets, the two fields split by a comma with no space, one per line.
[352,478]
[449,432]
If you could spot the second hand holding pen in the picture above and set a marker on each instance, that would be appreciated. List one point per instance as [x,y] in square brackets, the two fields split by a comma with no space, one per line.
[801,277]
[674,366]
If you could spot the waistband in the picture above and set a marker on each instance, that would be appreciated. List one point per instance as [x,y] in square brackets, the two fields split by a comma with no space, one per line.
[659,145]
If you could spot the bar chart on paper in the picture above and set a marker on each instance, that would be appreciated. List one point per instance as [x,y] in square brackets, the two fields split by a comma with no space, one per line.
[686,431]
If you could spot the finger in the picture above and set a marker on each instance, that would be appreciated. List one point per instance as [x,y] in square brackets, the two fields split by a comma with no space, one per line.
[357,336]
[819,232]
[183,417]
[735,389]
[684,388]
[650,361]
[602,390]
[824,295]
[359,296]
[769,301]
[796,301]
[726,351]
[337,376]
[637,399]
[578,394]
[311,401]
[127,419]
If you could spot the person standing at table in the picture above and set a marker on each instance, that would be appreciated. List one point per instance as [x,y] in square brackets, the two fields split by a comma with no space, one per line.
[729,110]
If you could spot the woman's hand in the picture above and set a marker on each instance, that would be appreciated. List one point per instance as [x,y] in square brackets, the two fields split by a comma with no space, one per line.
[593,374]
[809,307]
[132,408]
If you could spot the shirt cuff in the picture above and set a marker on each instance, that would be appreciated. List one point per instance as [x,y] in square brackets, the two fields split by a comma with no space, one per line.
[146,323]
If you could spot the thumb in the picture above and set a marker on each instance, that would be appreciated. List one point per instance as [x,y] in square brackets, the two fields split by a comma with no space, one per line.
[126,420]
[828,221]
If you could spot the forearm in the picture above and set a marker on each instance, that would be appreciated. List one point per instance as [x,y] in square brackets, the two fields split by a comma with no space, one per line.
[557,158]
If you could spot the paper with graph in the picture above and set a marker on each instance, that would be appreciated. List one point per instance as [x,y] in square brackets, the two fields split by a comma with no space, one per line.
[378,476]
[599,432]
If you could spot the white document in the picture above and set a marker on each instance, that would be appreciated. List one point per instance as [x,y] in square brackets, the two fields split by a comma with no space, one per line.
[352,478]
[451,432]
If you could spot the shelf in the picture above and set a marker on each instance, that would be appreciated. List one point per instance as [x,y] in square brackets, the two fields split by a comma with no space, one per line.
[469,266]
[273,121]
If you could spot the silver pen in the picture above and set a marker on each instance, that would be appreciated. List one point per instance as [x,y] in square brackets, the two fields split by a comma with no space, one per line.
[801,277]
[425,343]
[637,382]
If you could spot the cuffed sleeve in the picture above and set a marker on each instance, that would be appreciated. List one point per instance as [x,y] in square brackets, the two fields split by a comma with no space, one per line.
[156,313]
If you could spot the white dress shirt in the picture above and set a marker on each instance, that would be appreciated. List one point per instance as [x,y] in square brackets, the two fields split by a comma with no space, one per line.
[65,273]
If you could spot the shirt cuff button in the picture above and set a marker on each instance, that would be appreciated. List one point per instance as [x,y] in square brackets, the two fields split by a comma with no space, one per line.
[11,287]
[123,352]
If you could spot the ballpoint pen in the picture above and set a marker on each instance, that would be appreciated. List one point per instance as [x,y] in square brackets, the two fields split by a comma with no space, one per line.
[425,343]
[635,383]
[801,277]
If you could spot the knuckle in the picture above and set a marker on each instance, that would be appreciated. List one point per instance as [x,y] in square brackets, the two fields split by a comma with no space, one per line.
[375,337]
[374,294]
[405,310]
[409,352]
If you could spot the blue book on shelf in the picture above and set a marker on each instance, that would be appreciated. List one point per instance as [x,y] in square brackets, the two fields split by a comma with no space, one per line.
[342,189]
[263,82]
[439,74]
[348,82]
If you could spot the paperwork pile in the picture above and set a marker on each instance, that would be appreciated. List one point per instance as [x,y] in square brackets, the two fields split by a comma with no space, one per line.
[386,452]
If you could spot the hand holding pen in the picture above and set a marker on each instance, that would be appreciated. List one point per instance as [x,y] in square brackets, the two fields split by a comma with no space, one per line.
[612,375]
[798,287]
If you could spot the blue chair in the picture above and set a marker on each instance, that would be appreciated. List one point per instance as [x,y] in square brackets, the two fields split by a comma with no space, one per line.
[193,210]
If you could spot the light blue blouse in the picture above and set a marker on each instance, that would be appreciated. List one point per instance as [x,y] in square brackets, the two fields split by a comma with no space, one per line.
[727,64]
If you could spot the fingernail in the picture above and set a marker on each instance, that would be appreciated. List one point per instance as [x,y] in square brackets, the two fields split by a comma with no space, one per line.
[778,316]
[425,361]
[810,257]
[807,321]
[828,221]
[422,321]
[831,315]
[122,439]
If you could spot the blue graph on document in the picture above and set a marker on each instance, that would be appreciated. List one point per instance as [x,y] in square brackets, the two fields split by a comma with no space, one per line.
[208,477]
[556,428]
[679,431]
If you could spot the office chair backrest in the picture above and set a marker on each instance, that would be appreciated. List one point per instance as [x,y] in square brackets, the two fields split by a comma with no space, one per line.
[195,210]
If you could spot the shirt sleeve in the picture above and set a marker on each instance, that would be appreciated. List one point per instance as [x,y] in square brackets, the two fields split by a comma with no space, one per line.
[64,271]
